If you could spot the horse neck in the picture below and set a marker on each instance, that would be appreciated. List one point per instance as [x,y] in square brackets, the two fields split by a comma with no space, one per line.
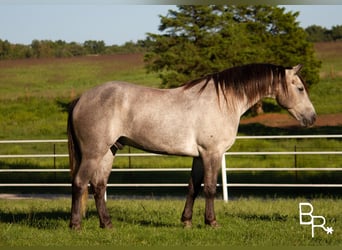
[241,105]
[226,98]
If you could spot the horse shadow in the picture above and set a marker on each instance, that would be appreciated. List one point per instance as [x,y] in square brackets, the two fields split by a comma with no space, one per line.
[39,220]
[60,219]
[144,219]
[147,223]
[254,129]
[263,217]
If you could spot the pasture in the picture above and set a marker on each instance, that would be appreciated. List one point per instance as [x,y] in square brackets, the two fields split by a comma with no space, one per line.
[33,99]
[244,222]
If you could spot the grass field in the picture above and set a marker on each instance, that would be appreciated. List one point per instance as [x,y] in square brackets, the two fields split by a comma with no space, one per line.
[244,222]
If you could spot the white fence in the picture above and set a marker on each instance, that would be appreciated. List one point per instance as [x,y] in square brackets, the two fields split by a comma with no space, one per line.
[225,185]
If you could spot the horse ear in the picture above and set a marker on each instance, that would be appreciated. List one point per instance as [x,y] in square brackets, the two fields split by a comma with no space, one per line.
[297,68]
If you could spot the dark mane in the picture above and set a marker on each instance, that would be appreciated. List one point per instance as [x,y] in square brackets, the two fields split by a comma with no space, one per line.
[251,80]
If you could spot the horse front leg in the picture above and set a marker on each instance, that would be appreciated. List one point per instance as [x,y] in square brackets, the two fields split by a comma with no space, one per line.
[99,193]
[212,165]
[194,187]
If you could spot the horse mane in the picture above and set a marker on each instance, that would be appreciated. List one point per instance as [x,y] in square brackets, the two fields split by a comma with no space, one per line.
[251,80]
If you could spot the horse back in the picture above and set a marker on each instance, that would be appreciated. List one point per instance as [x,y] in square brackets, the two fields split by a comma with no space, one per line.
[172,121]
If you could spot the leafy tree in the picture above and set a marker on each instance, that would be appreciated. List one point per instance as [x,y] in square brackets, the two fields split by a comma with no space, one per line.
[20,51]
[127,48]
[42,48]
[61,49]
[197,40]
[35,45]
[76,49]
[318,33]
[5,49]
[94,47]
[336,32]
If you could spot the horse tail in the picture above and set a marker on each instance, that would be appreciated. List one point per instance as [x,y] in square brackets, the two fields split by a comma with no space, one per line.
[75,155]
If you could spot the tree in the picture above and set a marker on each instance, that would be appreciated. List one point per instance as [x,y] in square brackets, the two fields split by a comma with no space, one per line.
[76,49]
[43,48]
[318,33]
[193,43]
[197,40]
[20,51]
[5,49]
[336,32]
[94,47]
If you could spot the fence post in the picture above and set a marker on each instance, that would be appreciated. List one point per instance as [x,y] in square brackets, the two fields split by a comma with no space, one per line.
[224,179]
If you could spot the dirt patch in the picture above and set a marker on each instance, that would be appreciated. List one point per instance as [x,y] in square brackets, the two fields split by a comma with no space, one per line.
[328,49]
[287,121]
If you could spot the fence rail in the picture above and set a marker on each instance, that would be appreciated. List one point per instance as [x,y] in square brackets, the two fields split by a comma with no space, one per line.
[225,185]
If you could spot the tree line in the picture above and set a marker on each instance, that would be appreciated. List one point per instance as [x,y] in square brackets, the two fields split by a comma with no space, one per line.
[318,33]
[60,48]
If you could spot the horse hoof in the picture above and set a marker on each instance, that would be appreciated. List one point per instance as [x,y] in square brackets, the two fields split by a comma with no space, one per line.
[187,224]
[76,227]
[106,226]
[213,224]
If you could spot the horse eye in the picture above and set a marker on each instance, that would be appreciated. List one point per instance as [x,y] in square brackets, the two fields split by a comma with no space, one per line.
[300,89]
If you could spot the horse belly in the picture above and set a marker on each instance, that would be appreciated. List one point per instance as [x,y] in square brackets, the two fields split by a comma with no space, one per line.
[161,132]
[159,140]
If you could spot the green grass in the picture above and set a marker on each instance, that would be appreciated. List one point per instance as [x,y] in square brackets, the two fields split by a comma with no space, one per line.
[32,118]
[326,96]
[67,78]
[244,222]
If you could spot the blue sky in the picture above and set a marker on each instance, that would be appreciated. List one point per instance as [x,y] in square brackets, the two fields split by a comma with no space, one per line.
[114,24]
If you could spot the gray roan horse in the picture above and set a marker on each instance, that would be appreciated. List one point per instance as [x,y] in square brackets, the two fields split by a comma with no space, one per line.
[198,119]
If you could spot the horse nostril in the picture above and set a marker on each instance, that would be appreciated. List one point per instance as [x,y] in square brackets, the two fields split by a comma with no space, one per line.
[310,121]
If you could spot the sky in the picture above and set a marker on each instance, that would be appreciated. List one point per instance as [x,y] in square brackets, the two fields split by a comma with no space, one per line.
[112,23]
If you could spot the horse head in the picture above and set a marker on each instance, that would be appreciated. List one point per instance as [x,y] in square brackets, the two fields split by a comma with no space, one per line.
[294,97]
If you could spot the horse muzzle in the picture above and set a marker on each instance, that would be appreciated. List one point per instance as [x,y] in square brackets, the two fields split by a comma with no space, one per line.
[306,119]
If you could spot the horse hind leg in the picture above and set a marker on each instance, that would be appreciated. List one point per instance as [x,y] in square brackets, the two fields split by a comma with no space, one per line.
[196,179]
[99,186]
[79,187]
